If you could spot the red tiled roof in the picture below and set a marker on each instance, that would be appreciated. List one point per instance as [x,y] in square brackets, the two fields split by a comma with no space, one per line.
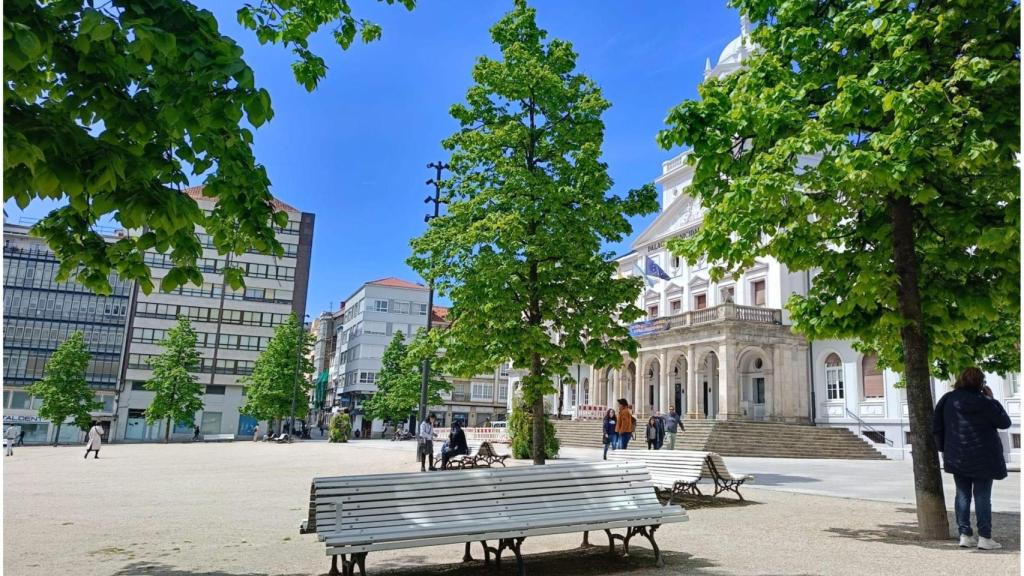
[440,314]
[196,192]
[395,283]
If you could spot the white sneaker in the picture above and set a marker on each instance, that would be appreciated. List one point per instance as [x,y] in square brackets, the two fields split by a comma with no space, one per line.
[988,544]
[968,541]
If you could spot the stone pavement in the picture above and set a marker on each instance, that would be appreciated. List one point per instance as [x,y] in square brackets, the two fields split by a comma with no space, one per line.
[234,510]
[881,480]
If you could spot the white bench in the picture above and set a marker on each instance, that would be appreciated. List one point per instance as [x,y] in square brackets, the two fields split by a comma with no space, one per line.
[678,471]
[481,454]
[681,470]
[356,515]
[218,437]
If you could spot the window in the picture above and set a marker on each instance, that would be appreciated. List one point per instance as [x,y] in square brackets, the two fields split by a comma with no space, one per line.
[758,389]
[20,400]
[675,262]
[503,392]
[402,307]
[213,389]
[675,306]
[482,391]
[652,311]
[422,311]
[700,301]
[1013,383]
[505,367]
[727,294]
[908,438]
[874,383]
[211,423]
[757,292]
[834,389]
[136,385]
[380,305]
[876,437]
[1015,441]
[586,391]
[367,377]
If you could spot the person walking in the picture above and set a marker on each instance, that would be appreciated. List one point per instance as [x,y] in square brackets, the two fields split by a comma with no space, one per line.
[425,443]
[672,424]
[94,440]
[21,436]
[608,437]
[195,432]
[624,425]
[965,428]
[659,423]
[455,446]
[651,433]
[9,437]
[256,433]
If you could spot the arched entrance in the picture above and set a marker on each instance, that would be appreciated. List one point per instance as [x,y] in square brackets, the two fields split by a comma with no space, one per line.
[629,384]
[586,391]
[707,385]
[652,381]
[678,389]
[754,383]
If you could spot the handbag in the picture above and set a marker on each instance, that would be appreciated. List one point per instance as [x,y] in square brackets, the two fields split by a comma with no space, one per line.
[604,439]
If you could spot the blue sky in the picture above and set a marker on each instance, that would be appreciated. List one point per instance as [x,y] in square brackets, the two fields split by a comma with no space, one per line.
[354,152]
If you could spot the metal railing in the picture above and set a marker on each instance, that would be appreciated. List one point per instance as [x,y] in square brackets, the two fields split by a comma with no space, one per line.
[862,424]
[720,313]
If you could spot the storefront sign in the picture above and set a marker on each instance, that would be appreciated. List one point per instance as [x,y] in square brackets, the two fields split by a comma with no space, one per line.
[13,419]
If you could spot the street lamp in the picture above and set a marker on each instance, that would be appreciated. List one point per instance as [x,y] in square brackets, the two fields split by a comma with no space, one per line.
[436,199]
[298,374]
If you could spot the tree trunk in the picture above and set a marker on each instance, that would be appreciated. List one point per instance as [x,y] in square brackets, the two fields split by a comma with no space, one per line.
[167,431]
[931,506]
[56,436]
[538,415]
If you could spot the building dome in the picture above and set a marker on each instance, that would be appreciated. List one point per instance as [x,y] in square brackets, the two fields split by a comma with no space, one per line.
[734,54]
[734,51]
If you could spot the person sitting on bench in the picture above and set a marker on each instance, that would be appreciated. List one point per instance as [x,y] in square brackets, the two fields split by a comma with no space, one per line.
[456,444]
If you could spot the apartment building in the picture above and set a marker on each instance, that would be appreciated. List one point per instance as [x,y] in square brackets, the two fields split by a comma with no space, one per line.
[233,326]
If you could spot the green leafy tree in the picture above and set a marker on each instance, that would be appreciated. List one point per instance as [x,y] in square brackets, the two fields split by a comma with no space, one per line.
[63,389]
[519,251]
[111,106]
[282,373]
[179,395]
[874,143]
[340,428]
[399,382]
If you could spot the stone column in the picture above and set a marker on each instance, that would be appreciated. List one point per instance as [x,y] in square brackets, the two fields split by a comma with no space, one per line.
[692,406]
[666,384]
[639,387]
[728,384]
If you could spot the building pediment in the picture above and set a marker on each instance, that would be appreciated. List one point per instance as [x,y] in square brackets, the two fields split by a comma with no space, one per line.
[684,212]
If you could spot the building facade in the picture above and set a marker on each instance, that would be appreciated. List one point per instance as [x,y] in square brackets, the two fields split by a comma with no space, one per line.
[233,326]
[372,315]
[726,350]
[39,314]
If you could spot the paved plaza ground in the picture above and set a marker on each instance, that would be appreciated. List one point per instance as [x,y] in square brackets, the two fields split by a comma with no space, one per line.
[234,510]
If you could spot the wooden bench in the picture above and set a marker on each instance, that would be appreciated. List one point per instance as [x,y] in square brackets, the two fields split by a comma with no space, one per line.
[356,515]
[681,470]
[677,471]
[218,437]
[481,454]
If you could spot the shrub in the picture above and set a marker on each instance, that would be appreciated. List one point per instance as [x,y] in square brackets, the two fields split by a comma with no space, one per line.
[340,428]
[520,431]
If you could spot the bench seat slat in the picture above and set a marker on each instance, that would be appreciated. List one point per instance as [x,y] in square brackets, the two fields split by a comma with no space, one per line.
[475,472]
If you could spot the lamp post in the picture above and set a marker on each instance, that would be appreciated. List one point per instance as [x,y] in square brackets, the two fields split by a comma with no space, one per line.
[436,199]
[298,374]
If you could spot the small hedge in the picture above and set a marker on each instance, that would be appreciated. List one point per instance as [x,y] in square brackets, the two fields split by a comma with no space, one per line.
[520,431]
[340,428]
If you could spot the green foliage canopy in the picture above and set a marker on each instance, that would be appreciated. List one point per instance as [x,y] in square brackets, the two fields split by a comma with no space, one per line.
[843,108]
[279,374]
[111,108]
[519,251]
[64,390]
[179,395]
[399,381]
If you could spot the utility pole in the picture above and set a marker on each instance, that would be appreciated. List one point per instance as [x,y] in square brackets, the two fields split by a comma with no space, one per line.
[436,199]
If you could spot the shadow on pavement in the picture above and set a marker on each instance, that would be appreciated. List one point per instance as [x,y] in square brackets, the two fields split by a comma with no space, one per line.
[158,569]
[694,502]
[766,479]
[1005,530]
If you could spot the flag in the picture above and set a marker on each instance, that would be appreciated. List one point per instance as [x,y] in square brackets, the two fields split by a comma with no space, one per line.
[639,271]
[652,268]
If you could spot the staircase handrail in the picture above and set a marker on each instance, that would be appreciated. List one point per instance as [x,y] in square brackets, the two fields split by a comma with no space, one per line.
[861,422]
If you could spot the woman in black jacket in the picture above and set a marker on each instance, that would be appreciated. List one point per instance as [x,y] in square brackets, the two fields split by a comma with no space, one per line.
[965,428]
[455,445]
[608,438]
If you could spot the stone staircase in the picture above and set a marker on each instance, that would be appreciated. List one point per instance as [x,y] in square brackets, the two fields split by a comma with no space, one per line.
[737,438]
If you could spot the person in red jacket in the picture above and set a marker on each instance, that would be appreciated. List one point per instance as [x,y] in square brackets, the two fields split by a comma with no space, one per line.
[623,425]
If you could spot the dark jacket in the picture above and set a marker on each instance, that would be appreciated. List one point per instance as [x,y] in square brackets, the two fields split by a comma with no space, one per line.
[609,426]
[457,442]
[965,427]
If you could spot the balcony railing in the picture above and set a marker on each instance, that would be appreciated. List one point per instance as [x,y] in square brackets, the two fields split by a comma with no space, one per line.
[720,313]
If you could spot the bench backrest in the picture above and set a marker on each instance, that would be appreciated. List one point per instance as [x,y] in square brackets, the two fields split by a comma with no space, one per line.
[722,469]
[681,464]
[413,506]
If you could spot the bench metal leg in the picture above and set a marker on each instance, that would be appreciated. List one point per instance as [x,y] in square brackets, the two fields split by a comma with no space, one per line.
[349,564]
[646,532]
[612,537]
[513,544]
[586,540]
[334,566]
[467,557]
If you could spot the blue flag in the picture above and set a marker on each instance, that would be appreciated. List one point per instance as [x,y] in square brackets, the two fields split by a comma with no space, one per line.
[652,268]
[639,270]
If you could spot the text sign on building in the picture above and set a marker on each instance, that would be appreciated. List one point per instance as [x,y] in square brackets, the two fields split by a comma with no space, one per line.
[648,327]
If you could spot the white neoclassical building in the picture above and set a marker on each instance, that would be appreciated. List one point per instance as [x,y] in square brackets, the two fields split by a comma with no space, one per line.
[726,350]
